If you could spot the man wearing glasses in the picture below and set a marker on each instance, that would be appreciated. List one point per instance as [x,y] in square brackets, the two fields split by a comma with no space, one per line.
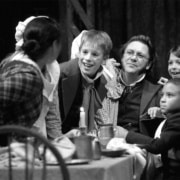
[137,57]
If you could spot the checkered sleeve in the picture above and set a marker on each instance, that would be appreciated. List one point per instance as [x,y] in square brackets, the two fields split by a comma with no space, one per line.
[19,86]
[53,118]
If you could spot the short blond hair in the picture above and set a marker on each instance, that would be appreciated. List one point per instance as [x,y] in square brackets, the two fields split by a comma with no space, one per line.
[99,38]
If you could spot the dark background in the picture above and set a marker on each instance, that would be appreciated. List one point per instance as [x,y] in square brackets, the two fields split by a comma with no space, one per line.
[159,19]
[13,11]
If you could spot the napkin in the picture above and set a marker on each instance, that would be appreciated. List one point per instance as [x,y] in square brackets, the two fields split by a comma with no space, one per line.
[20,155]
[65,147]
[138,154]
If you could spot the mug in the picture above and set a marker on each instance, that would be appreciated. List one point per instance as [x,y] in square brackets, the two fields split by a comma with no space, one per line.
[83,145]
[105,134]
[96,149]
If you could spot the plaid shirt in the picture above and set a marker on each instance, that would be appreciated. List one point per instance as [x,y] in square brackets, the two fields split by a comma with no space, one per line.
[20,93]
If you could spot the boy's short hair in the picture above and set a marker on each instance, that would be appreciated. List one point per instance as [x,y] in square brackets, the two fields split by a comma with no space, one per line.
[99,38]
[175,81]
[175,50]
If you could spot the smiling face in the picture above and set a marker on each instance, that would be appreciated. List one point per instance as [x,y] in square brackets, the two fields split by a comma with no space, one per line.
[135,59]
[90,59]
[174,66]
[170,98]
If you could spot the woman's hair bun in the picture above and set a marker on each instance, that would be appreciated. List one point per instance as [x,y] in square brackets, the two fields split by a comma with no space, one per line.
[32,48]
[39,35]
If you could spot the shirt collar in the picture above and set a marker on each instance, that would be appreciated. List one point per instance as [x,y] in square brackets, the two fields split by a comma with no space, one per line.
[90,80]
[132,84]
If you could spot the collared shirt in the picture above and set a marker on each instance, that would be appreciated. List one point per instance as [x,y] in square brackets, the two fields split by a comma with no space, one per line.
[21,88]
[132,84]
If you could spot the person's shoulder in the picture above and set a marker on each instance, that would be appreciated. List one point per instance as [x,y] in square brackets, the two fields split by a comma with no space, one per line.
[151,87]
[69,63]
[173,120]
[17,67]
[70,67]
[153,84]
[23,76]
[174,115]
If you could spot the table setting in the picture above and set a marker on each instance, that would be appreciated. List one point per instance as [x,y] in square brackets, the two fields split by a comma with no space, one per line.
[87,156]
[92,155]
[103,144]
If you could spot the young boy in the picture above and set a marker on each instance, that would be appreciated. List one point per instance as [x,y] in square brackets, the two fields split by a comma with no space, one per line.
[168,143]
[174,72]
[83,81]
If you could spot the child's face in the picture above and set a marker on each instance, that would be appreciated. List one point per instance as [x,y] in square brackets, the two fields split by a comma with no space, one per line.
[91,57]
[170,98]
[174,66]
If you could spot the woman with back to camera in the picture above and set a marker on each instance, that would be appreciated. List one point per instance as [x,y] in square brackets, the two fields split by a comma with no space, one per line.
[49,122]
[22,73]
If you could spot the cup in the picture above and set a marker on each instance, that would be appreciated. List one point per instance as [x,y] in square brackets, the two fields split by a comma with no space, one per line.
[96,149]
[83,145]
[105,134]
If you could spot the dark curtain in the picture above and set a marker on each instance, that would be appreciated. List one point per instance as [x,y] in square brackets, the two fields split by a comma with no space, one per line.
[159,19]
[13,11]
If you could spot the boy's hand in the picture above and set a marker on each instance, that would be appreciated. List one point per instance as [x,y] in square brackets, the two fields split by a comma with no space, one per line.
[155,112]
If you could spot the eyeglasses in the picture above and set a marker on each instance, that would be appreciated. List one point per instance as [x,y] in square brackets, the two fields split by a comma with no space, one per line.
[138,55]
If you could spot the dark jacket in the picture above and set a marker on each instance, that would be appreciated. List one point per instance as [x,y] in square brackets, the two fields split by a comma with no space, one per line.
[168,145]
[150,98]
[70,93]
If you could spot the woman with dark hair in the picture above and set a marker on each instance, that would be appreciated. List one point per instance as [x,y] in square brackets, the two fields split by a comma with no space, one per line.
[23,74]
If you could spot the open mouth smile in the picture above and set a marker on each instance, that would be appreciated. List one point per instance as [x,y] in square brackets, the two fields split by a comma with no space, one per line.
[87,66]
[175,73]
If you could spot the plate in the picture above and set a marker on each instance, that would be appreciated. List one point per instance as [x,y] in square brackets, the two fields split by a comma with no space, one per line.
[113,153]
[54,163]
[70,162]
[77,161]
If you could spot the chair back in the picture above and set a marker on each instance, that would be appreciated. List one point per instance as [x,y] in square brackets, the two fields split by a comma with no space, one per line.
[25,156]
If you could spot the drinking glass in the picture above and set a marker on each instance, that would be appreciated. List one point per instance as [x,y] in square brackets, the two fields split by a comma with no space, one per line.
[105,134]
